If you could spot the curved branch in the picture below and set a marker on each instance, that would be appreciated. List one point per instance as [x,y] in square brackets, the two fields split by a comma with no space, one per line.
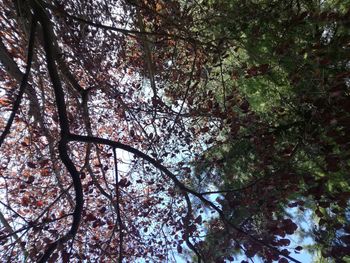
[23,82]
[13,70]
[48,33]
[178,183]
[114,144]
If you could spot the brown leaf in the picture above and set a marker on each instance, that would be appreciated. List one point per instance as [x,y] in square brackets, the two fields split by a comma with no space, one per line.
[31,165]
[179,249]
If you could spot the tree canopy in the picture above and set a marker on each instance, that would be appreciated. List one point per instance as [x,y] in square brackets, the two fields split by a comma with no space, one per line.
[174,131]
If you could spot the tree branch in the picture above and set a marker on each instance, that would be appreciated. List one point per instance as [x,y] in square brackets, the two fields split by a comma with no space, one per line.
[23,82]
[12,232]
[179,184]
[48,33]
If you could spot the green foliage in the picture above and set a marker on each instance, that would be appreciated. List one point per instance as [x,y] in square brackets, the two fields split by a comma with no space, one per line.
[288,60]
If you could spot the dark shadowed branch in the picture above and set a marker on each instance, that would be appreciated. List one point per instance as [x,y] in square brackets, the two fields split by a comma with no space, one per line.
[23,82]
[41,15]
[177,182]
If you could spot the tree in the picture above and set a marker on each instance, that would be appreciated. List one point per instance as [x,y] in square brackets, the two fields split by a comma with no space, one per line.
[283,155]
[131,115]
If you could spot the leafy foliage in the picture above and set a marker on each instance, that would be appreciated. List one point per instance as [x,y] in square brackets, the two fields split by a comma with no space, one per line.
[148,130]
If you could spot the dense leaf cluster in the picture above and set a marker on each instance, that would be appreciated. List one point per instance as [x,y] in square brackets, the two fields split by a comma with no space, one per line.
[153,130]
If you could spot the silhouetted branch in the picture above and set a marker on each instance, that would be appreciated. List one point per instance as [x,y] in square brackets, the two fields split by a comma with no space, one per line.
[8,227]
[23,82]
[31,225]
[179,184]
[48,33]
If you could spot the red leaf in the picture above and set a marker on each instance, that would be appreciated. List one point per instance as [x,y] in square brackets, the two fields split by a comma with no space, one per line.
[82,175]
[298,248]
[24,144]
[198,220]
[31,165]
[65,256]
[45,172]
[290,229]
[25,200]
[30,179]
[44,162]
[90,217]
[205,129]
[284,242]
[124,182]
[53,258]
[179,249]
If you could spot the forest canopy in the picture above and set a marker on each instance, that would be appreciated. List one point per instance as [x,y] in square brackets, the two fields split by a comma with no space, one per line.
[174,131]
